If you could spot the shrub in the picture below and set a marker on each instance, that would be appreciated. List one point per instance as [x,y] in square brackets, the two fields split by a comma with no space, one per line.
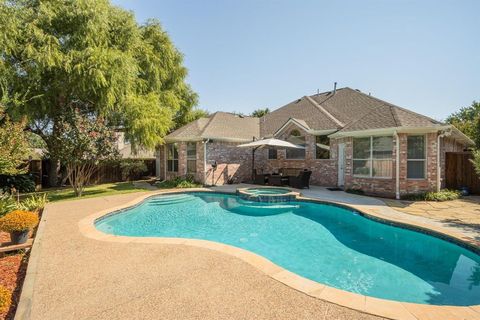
[7,204]
[355,191]
[179,182]
[34,202]
[22,183]
[131,169]
[5,298]
[18,220]
[442,195]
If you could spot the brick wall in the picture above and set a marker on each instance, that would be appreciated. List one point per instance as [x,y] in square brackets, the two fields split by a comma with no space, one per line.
[233,164]
[386,186]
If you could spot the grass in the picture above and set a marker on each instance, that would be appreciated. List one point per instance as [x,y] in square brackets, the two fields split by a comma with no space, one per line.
[92,191]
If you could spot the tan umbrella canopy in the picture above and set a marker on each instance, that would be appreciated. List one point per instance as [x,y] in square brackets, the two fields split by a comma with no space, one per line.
[269,143]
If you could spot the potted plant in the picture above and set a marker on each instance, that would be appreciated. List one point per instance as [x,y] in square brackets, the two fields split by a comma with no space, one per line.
[18,223]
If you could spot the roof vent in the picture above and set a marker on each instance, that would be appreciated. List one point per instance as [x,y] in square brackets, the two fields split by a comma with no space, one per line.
[298,100]
[334,87]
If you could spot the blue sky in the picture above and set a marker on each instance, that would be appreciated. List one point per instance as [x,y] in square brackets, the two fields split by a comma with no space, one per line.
[246,54]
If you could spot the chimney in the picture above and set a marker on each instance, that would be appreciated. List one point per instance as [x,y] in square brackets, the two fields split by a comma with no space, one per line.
[334,87]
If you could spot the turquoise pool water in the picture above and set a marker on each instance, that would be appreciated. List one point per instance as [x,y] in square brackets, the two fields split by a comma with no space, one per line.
[325,243]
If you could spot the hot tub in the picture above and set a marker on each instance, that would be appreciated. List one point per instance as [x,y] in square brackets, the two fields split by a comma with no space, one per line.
[267,194]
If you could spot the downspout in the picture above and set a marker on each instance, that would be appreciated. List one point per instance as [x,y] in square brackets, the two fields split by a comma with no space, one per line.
[205,161]
[397,165]
[439,167]
[165,161]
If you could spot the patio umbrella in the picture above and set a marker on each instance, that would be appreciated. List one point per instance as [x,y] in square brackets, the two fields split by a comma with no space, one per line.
[270,143]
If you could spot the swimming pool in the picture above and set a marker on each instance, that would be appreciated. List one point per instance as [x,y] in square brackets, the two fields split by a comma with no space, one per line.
[325,243]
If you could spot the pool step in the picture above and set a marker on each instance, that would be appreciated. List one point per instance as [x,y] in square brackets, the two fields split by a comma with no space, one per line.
[171,199]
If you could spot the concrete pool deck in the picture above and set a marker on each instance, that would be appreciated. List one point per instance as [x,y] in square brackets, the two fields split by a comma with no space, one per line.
[77,277]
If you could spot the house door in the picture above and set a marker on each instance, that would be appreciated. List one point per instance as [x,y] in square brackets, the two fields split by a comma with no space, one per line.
[341,164]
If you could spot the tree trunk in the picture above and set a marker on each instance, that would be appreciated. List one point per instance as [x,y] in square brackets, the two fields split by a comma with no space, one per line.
[53,172]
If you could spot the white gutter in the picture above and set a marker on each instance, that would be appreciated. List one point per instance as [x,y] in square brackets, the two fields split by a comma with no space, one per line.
[397,165]
[370,132]
[439,167]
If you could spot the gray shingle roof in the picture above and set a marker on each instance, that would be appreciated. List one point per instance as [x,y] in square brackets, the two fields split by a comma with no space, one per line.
[300,109]
[354,109]
[220,125]
[345,110]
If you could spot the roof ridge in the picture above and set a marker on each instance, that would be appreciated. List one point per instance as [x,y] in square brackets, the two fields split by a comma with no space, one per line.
[210,119]
[338,122]
[394,115]
[398,107]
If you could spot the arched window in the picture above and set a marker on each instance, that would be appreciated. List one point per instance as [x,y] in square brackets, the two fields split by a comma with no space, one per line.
[296,137]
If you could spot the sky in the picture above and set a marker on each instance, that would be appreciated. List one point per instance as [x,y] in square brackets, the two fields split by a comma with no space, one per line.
[245,54]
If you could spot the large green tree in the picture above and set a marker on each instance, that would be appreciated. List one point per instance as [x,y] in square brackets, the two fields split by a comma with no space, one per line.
[467,120]
[260,112]
[93,56]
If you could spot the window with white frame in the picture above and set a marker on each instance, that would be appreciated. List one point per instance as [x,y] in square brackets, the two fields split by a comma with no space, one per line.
[416,157]
[172,157]
[296,154]
[191,157]
[372,157]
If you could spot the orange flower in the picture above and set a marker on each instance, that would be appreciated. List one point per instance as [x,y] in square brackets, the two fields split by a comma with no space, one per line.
[18,220]
[5,298]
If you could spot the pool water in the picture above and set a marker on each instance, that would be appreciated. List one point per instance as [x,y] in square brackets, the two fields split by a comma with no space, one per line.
[325,243]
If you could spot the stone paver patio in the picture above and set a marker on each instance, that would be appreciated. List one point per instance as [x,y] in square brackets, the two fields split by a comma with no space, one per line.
[462,213]
[81,278]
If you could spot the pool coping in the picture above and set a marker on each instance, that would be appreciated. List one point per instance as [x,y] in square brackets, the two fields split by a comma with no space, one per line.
[375,306]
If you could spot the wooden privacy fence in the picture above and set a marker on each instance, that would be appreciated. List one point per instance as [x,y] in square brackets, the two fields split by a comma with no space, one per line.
[459,172]
[104,174]
[112,172]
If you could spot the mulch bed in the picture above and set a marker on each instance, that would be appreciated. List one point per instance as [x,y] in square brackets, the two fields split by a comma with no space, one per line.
[13,267]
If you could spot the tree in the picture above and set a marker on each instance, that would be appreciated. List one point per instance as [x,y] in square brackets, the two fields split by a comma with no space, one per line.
[14,148]
[260,112]
[83,142]
[94,57]
[467,120]
[476,161]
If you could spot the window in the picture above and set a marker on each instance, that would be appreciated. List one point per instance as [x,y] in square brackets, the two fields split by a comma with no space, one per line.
[322,147]
[172,157]
[272,153]
[296,138]
[372,157]
[416,157]
[191,157]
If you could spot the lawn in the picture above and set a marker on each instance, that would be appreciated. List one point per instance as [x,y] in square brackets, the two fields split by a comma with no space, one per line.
[93,191]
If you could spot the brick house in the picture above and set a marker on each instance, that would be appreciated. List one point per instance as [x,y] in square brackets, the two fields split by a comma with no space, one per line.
[352,140]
